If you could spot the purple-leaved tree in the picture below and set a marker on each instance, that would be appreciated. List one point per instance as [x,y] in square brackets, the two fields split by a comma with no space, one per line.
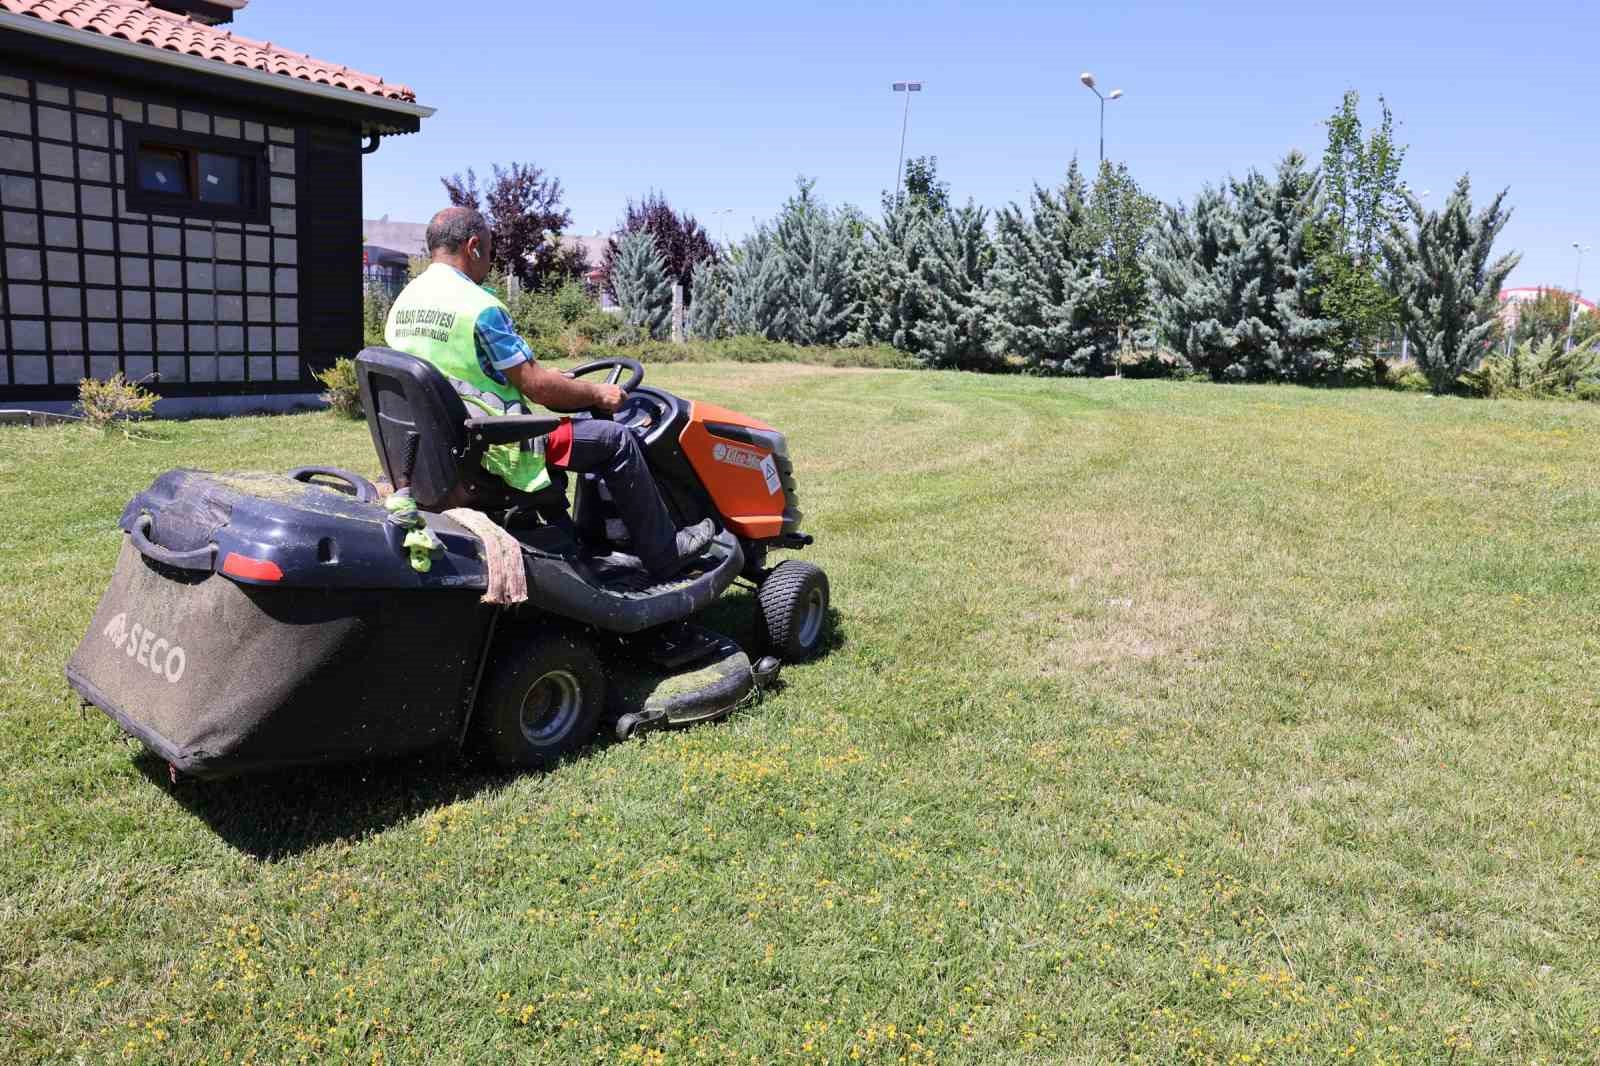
[679,238]
[526,218]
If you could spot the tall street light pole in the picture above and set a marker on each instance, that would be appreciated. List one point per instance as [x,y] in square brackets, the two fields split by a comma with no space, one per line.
[1577,291]
[907,87]
[1114,94]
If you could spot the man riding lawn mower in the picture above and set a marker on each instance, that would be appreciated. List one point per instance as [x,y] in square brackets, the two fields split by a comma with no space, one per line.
[257,620]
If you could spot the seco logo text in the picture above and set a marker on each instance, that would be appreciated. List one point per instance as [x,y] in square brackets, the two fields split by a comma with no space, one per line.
[156,653]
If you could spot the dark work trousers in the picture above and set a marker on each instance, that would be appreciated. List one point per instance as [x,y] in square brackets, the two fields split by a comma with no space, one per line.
[601,446]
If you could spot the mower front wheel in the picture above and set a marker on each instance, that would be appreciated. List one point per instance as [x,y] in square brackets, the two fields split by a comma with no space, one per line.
[794,610]
[541,699]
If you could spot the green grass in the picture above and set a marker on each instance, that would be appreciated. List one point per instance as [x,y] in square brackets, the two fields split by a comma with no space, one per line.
[1166,723]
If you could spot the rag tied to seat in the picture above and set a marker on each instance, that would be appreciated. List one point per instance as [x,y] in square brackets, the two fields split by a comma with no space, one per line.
[502,554]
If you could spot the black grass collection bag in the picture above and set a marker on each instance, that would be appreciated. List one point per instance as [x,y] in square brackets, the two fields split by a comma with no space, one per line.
[261,620]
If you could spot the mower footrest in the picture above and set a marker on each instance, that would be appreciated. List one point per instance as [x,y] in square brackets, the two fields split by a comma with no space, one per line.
[625,599]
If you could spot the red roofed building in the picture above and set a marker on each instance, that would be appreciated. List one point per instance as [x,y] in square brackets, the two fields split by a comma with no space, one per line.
[1511,301]
[179,200]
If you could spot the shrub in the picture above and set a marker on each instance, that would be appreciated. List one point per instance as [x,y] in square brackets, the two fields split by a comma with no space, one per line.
[1407,377]
[375,304]
[1152,363]
[116,399]
[748,349]
[1545,369]
[547,319]
[344,394]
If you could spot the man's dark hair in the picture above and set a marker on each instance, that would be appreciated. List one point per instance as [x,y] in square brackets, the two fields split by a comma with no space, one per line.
[453,227]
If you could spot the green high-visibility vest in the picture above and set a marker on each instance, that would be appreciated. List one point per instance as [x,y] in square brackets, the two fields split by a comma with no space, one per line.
[434,318]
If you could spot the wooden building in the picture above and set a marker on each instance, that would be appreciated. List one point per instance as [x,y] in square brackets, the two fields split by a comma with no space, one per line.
[178,200]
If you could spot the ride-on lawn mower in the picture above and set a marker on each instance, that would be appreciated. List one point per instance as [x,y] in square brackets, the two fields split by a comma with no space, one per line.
[257,621]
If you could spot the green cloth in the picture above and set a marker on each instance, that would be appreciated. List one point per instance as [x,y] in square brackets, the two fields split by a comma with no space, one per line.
[421,542]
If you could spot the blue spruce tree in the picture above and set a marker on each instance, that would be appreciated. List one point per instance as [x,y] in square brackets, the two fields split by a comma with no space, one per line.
[639,278]
[708,313]
[1044,293]
[818,248]
[1447,285]
[1231,280]
[756,304]
[922,276]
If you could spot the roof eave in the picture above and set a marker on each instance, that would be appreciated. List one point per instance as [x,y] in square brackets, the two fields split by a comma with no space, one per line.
[217,68]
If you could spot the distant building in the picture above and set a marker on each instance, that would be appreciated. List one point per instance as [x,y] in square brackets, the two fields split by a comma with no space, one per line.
[1511,301]
[178,200]
[390,245]
[594,253]
[387,249]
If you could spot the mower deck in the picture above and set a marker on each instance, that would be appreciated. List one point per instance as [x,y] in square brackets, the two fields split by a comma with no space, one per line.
[644,696]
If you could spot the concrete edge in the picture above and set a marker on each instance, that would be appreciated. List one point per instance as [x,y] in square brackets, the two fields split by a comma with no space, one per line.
[184,407]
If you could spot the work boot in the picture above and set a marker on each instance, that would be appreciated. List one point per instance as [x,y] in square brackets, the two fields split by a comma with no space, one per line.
[691,542]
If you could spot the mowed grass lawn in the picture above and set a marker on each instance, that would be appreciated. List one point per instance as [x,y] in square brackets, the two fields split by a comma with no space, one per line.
[1166,723]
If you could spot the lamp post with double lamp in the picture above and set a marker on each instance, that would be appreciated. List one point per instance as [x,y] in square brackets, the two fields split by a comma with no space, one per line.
[1577,291]
[722,223]
[907,87]
[1114,94]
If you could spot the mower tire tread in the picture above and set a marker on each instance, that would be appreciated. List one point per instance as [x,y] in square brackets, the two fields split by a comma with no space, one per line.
[785,598]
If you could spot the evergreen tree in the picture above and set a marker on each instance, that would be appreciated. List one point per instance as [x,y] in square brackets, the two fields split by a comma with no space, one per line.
[708,314]
[642,286]
[922,279]
[957,333]
[1447,286]
[1044,294]
[818,250]
[755,291]
[1231,279]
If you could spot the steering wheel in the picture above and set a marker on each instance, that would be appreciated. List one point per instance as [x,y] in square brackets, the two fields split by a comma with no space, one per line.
[620,363]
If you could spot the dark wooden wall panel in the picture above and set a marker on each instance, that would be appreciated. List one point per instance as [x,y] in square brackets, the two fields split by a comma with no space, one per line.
[330,244]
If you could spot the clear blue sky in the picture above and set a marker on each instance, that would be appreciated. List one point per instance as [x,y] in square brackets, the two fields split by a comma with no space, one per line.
[719,105]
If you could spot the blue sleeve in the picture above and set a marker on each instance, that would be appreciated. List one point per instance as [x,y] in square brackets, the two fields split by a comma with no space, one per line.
[499,347]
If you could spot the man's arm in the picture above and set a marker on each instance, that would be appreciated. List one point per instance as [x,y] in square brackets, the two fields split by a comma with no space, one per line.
[549,388]
[500,347]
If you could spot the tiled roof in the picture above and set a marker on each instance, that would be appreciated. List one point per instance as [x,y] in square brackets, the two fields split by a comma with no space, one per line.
[137,21]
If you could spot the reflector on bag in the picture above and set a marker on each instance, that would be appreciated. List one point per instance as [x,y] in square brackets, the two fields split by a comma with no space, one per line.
[236,565]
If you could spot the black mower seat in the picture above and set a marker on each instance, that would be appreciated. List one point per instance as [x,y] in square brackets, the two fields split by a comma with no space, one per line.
[429,443]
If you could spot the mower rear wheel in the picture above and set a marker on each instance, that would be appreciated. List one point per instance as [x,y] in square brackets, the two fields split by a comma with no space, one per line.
[541,699]
[794,610]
